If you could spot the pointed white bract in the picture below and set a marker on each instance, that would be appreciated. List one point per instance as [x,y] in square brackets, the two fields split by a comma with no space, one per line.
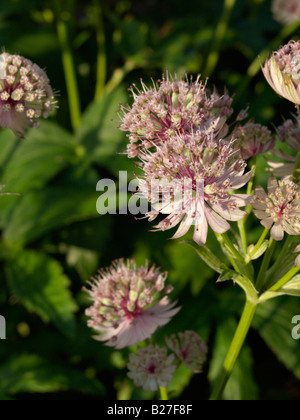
[151,367]
[282,71]
[25,94]
[279,210]
[129,303]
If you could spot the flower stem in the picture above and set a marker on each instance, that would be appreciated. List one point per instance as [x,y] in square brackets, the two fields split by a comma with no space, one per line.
[118,76]
[101,56]
[235,349]
[259,243]
[69,67]
[237,256]
[252,180]
[287,277]
[213,57]
[163,394]
[242,223]
[232,248]
[297,169]
[279,260]
[242,229]
[265,265]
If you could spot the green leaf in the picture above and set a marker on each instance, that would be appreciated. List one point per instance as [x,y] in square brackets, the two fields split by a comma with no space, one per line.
[40,284]
[39,157]
[241,385]
[31,373]
[180,381]
[291,288]
[208,257]
[84,261]
[273,321]
[39,212]
[8,142]
[98,132]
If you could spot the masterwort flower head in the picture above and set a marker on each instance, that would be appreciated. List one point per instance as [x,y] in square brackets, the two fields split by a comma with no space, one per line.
[190,348]
[281,163]
[282,71]
[286,11]
[25,94]
[169,108]
[191,178]
[129,303]
[254,139]
[151,367]
[279,210]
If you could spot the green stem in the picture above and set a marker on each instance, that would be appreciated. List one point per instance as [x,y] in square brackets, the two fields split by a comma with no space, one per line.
[252,180]
[235,349]
[242,229]
[242,223]
[234,264]
[118,76]
[69,67]
[297,169]
[101,56]
[265,265]
[221,30]
[163,394]
[279,260]
[237,256]
[232,248]
[287,277]
[259,243]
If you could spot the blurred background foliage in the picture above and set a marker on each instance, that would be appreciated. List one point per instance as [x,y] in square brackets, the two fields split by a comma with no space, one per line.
[53,240]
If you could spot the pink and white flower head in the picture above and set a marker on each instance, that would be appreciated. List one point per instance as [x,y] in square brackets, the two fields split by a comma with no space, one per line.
[191,178]
[282,71]
[254,139]
[190,348]
[151,367]
[170,108]
[129,303]
[279,210]
[286,11]
[25,94]
[289,134]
